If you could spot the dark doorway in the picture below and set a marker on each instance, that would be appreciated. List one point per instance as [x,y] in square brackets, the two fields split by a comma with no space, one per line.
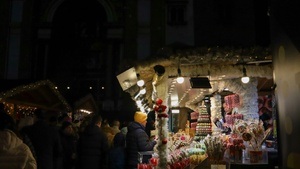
[78,40]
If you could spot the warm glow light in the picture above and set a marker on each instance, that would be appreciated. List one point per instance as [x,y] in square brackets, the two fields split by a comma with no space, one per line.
[91,87]
[175,111]
[143,91]
[68,87]
[140,83]
[180,80]
[174,101]
[85,111]
[245,79]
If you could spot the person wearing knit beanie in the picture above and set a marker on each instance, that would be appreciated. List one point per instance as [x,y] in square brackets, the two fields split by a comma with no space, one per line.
[140,117]
[137,140]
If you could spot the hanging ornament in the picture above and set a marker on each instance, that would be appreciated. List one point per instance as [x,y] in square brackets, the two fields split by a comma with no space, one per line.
[161,147]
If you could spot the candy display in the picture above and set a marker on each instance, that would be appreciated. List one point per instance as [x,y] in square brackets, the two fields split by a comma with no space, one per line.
[232,101]
[251,131]
[185,149]
[204,126]
[197,153]
[216,146]
[235,147]
[231,118]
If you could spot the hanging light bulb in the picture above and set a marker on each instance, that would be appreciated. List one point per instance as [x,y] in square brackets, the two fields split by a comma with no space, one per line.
[179,79]
[143,91]
[245,78]
[140,82]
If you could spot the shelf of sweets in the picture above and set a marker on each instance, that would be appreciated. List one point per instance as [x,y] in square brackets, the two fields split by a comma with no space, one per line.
[204,119]
[203,110]
[204,132]
[200,137]
[203,126]
[230,118]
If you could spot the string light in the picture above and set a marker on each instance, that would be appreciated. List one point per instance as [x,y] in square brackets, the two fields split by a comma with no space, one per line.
[32,86]
[18,111]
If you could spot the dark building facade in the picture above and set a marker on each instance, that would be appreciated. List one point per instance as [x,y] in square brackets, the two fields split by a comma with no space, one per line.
[87,44]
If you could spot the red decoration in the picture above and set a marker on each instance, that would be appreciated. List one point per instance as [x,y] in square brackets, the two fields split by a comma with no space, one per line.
[144,166]
[159,101]
[153,161]
[160,108]
[162,115]
[164,141]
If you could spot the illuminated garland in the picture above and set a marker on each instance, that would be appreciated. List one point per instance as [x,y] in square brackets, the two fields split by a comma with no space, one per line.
[32,86]
[18,111]
[216,106]
[161,147]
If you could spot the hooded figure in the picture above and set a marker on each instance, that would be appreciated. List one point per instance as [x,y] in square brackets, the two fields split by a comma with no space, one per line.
[14,154]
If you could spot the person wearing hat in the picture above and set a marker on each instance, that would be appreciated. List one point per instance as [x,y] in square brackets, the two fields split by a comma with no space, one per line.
[137,139]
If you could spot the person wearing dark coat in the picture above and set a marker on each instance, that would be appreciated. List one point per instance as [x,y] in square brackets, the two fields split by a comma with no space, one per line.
[137,140]
[93,146]
[117,152]
[46,142]
[69,142]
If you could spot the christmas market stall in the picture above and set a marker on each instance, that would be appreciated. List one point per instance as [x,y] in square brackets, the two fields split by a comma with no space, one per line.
[217,85]
[84,106]
[22,100]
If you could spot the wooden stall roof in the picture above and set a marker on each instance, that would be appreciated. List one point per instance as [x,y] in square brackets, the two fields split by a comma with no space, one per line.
[219,64]
[87,103]
[40,94]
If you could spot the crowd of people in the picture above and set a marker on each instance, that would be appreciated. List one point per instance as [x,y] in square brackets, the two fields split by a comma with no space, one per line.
[46,143]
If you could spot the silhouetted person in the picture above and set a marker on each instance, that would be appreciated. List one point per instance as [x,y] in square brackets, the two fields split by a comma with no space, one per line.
[117,152]
[93,146]
[46,142]
[124,128]
[116,126]
[69,144]
[109,131]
